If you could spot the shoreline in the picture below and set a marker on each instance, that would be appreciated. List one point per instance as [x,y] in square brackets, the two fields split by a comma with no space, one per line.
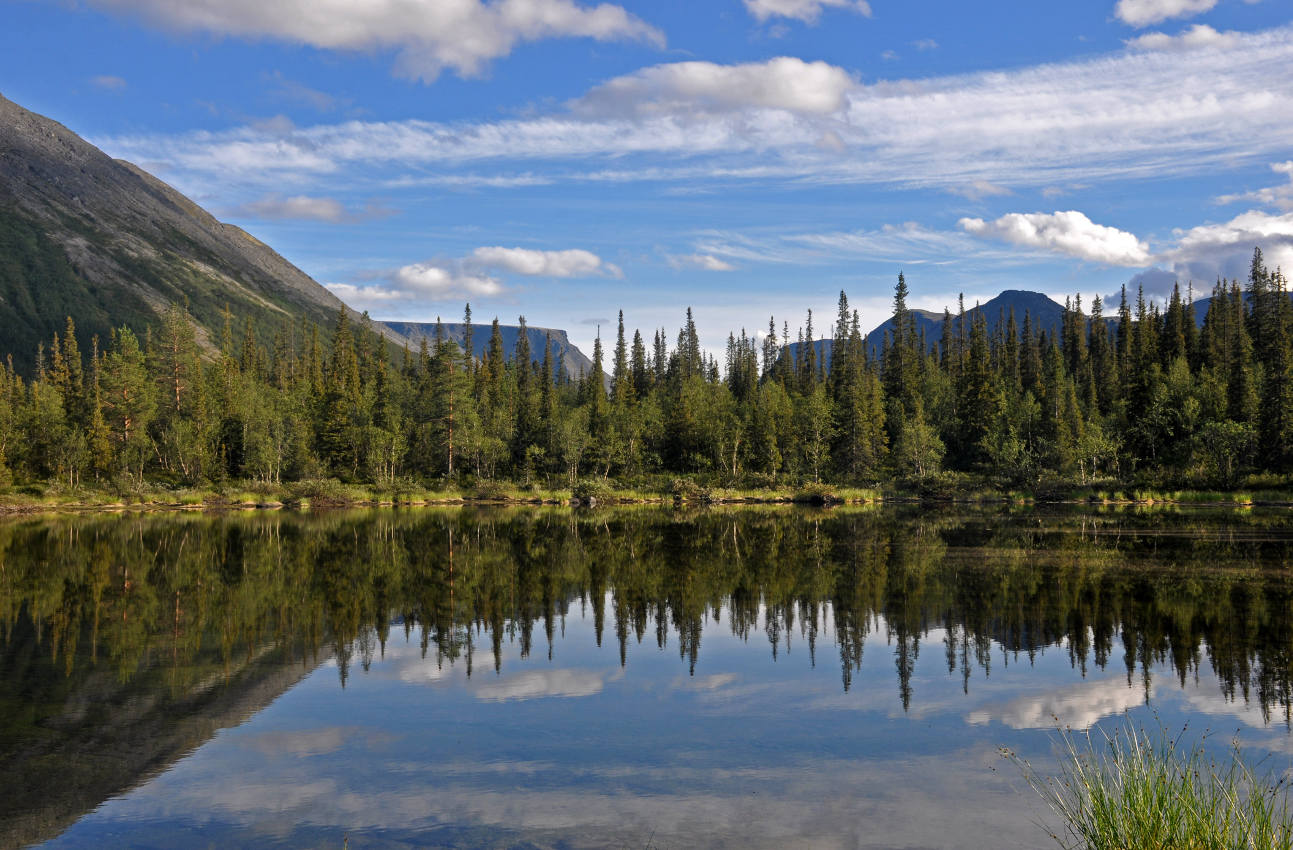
[18,505]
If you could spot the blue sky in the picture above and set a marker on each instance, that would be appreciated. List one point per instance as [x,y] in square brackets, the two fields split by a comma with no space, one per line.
[563,160]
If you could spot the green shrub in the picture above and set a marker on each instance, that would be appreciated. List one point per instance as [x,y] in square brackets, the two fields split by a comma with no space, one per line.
[687,490]
[491,491]
[590,491]
[1134,791]
[816,494]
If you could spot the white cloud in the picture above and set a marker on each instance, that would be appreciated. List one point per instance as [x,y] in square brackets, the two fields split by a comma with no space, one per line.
[979,189]
[1142,13]
[1129,115]
[784,82]
[437,281]
[1196,37]
[1070,233]
[807,11]
[573,262]
[1078,706]
[417,283]
[1209,251]
[925,44]
[304,208]
[707,262]
[1274,196]
[430,35]
[536,684]
[468,277]
[108,82]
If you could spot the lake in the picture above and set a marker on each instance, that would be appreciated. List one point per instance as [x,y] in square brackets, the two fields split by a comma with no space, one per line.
[627,677]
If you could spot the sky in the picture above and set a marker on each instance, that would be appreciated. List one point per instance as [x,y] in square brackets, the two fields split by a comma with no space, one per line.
[564,160]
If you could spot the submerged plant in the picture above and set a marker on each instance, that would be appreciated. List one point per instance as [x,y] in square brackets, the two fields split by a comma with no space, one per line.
[1131,790]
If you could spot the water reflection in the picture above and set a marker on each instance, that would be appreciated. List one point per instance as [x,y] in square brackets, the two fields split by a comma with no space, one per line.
[135,639]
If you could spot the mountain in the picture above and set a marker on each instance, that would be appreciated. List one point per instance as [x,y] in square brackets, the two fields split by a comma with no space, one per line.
[107,243]
[564,352]
[1045,314]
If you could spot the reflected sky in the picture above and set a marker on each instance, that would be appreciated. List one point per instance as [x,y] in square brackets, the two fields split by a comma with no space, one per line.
[624,678]
[578,751]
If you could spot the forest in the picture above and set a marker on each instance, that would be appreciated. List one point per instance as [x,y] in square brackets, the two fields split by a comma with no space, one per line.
[1137,395]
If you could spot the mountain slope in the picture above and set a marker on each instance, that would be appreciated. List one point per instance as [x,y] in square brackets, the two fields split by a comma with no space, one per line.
[564,352]
[99,239]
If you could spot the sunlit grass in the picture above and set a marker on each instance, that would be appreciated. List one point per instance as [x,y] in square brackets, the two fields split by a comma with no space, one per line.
[1131,790]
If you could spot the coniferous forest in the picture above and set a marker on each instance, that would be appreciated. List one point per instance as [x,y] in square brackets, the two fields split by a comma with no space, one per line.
[1129,393]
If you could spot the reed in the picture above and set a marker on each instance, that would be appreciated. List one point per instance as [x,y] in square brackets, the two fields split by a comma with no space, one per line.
[1131,790]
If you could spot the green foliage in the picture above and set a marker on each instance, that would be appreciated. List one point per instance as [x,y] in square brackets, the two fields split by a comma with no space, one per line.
[1136,790]
[1144,403]
[592,491]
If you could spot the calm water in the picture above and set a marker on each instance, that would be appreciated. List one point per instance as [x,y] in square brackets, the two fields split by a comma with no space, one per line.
[626,678]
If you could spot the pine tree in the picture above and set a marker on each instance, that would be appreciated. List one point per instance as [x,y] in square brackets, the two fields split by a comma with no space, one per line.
[621,377]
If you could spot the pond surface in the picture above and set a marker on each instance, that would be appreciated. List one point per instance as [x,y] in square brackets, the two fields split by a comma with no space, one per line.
[628,678]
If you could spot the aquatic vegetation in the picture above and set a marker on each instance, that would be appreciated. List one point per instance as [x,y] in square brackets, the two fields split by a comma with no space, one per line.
[1133,789]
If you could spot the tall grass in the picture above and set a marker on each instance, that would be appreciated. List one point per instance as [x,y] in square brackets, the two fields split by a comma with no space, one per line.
[1134,791]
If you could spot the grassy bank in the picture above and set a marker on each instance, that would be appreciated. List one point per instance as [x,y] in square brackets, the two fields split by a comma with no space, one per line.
[692,490]
[1136,790]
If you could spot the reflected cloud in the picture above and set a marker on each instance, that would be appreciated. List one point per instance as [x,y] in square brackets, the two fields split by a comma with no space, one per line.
[714,682]
[308,742]
[1079,706]
[537,684]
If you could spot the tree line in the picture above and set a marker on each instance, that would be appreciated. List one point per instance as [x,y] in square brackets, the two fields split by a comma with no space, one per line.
[181,600]
[1145,394]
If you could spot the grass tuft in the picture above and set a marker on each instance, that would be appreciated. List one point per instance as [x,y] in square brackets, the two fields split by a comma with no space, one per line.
[1136,791]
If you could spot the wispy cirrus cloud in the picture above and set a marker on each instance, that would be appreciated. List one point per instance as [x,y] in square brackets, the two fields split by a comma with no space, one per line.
[108,82]
[429,36]
[1275,196]
[705,262]
[1134,114]
[275,207]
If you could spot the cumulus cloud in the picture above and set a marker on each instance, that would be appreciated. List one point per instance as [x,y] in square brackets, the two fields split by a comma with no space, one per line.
[807,11]
[417,283]
[1069,232]
[573,262]
[1274,196]
[108,82]
[429,35]
[305,208]
[472,276]
[784,82]
[1209,251]
[707,262]
[1142,13]
[438,281]
[1197,36]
